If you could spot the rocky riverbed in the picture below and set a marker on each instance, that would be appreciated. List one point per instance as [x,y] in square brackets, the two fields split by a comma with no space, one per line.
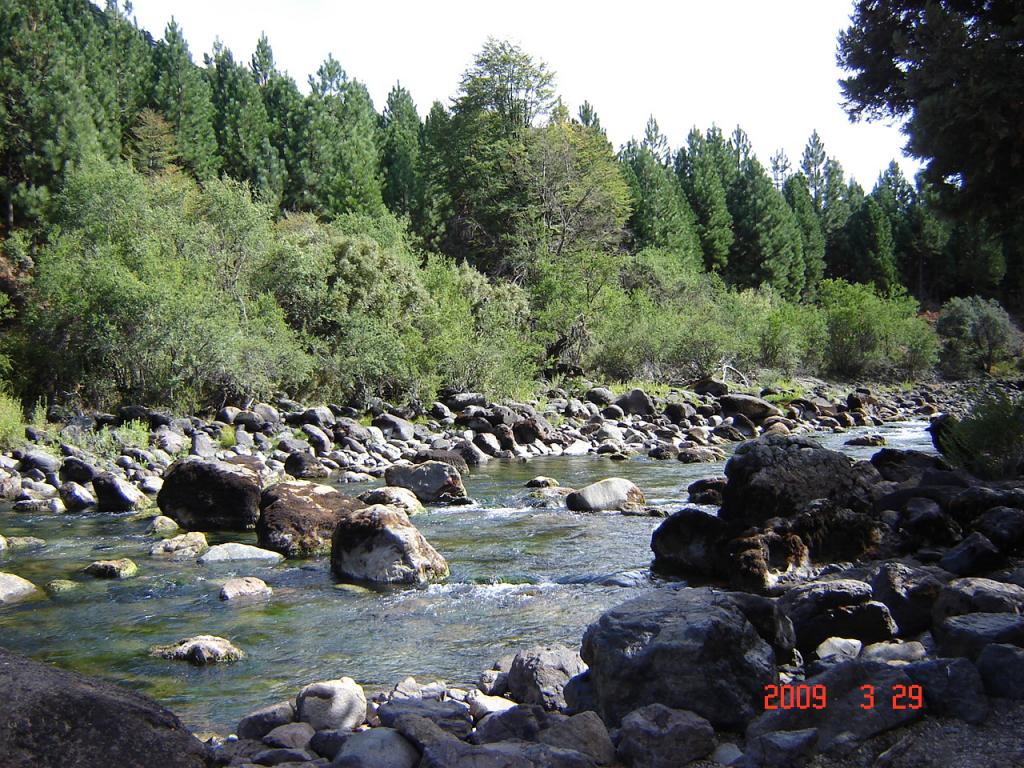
[868,587]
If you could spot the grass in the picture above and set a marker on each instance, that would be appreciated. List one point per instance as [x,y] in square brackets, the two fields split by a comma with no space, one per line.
[12,422]
[228,437]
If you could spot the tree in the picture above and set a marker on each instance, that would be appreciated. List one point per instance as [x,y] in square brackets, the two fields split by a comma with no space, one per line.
[869,239]
[509,83]
[781,167]
[812,238]
[153,146]
[400,158]
[768,248]
[812,166]
[976,334]
[343,146]
[661,215]
[588,117]
[953,72]
[184,97]
[697,173]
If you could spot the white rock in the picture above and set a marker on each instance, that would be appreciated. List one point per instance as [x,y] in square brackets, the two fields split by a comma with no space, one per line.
[247,586]
[199,650]
[839,646]
[900,653]
[337,704]
[234,552]
[184,546]
[14,589]
[481,705]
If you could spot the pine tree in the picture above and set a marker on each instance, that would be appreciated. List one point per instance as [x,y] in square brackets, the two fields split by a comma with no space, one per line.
[812,166]
[656,142]
[767,248]
[242,126]
[811,237]
[400,157]
[836,207]
[588,117]
[781,168]
[700,180]
[869,240]
[661,216]
[184,97]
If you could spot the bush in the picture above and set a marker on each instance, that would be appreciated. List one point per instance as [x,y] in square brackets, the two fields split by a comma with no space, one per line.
[12,422]
[871,334]
[989,440]
[976,334]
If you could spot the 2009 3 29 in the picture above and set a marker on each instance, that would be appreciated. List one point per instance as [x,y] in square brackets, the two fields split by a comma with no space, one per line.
[802,696]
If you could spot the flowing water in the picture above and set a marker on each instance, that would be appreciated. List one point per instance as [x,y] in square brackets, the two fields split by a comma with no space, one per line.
[519,576]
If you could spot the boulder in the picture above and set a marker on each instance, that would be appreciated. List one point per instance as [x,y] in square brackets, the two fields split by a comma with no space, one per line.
[658,737]
[210,496]
[393,496]
[712,387]
[450,716]
[233,552]
[1003,526]
[112,569]
[584,733]
[691,648]
[338,704]
[844,722]
[203,445]
[636,402]
[951,687]
[689,543]
[1002,670]
[969,634]
[377,748]
[245,587]
[539,675]
[160,525]
[754,408]
[115,494]
[707,490]
[611,494]
[452,753]
[298,518]
[776,476]
[290,736]
[842,608]
[433,482]
[262,721]
[14,589]
[304,466]
[76,470]
[975,554]
[379,544]
[461,459]
[599,396]
[973,595]
[909,594]
[41,461]
[394,428]
[184,546]
[199,650]
[76,497]
[782,749]
[55,719]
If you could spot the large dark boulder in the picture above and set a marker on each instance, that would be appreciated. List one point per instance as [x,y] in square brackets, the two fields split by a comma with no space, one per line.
[298,518]
[687,649]
[841,608]
[754,408]
[776,476]
[636,402]
[204,495]
[433,482]
[57,719]
[689,543]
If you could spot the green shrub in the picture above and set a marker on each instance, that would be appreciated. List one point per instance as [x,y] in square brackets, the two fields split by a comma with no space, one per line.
[989,440]
[976,334]
[12,422]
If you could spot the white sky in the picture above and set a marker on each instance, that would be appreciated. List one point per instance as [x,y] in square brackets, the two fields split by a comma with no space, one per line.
[767,66]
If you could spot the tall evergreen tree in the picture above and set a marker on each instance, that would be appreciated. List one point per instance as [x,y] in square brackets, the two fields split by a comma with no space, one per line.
[588,117]
[812,166]
[242,126]
[768,247]
[435,209]
[656,142]
[661,216]
[870,255]
[836,207]
[184,97]
[781,168]
[700,179]
[798,197]
[400,157]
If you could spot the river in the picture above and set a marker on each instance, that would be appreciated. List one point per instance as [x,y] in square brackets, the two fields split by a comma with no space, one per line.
[519,576]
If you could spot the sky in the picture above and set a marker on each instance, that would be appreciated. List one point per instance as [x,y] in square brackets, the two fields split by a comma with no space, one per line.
[766,66]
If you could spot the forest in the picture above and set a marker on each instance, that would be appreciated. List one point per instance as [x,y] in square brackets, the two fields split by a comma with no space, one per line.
[188,234]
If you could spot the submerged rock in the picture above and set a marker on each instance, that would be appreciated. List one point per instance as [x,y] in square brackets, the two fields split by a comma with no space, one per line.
[234,552]
[112,569]
[199,650]
[379,544]
[185,546]
[55,719]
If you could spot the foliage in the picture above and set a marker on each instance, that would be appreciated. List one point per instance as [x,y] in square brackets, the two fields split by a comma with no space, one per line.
[12,422]
[976,334]
[989,440]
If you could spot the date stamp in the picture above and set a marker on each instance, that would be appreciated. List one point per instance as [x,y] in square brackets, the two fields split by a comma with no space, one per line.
[802,696]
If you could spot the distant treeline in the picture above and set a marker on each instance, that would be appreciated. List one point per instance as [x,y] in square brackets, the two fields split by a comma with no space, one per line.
[184,233]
